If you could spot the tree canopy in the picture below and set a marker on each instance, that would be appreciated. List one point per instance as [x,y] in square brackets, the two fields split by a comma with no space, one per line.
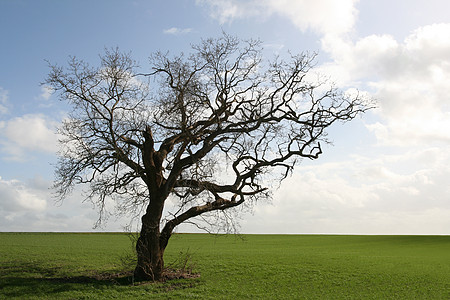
[209,130]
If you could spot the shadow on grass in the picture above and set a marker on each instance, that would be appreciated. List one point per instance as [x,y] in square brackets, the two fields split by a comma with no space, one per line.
[28,280]
[31,280]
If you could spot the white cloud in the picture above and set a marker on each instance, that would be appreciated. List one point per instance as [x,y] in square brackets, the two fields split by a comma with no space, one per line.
[15,197]
[21,136]
[379,192]
[30,206]
[409,79]
[322,16]
[391,194]
[177,31]
[227,10]
[3,101]
[361,60]
[434,38]
[46,92]
[382,57]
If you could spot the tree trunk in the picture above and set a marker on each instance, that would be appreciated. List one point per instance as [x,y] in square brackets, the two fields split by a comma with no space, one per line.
[150,261]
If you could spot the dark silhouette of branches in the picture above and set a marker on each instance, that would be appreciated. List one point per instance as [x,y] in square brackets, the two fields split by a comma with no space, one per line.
[209,129]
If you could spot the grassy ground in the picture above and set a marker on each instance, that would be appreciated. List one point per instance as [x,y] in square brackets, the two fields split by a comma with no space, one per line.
[78,266]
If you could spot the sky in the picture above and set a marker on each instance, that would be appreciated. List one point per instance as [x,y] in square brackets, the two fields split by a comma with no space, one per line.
[386,173]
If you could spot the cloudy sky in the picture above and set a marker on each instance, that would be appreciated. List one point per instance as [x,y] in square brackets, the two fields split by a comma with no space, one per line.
[387,173]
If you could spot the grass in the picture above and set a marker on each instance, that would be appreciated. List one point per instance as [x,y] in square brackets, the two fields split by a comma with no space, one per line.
[77,266]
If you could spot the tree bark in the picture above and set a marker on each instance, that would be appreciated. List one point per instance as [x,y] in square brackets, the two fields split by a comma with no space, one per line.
[149,249]
[150,262]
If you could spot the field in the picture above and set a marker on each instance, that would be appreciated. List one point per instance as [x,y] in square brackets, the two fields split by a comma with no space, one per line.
[79,266]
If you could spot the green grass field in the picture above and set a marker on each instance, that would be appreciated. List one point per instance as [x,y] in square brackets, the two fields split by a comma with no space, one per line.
[76,266]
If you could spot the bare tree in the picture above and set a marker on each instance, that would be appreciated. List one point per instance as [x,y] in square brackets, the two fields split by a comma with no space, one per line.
[214,131]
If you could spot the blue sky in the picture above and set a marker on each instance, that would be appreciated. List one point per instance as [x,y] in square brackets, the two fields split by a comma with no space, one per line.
[386,172]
